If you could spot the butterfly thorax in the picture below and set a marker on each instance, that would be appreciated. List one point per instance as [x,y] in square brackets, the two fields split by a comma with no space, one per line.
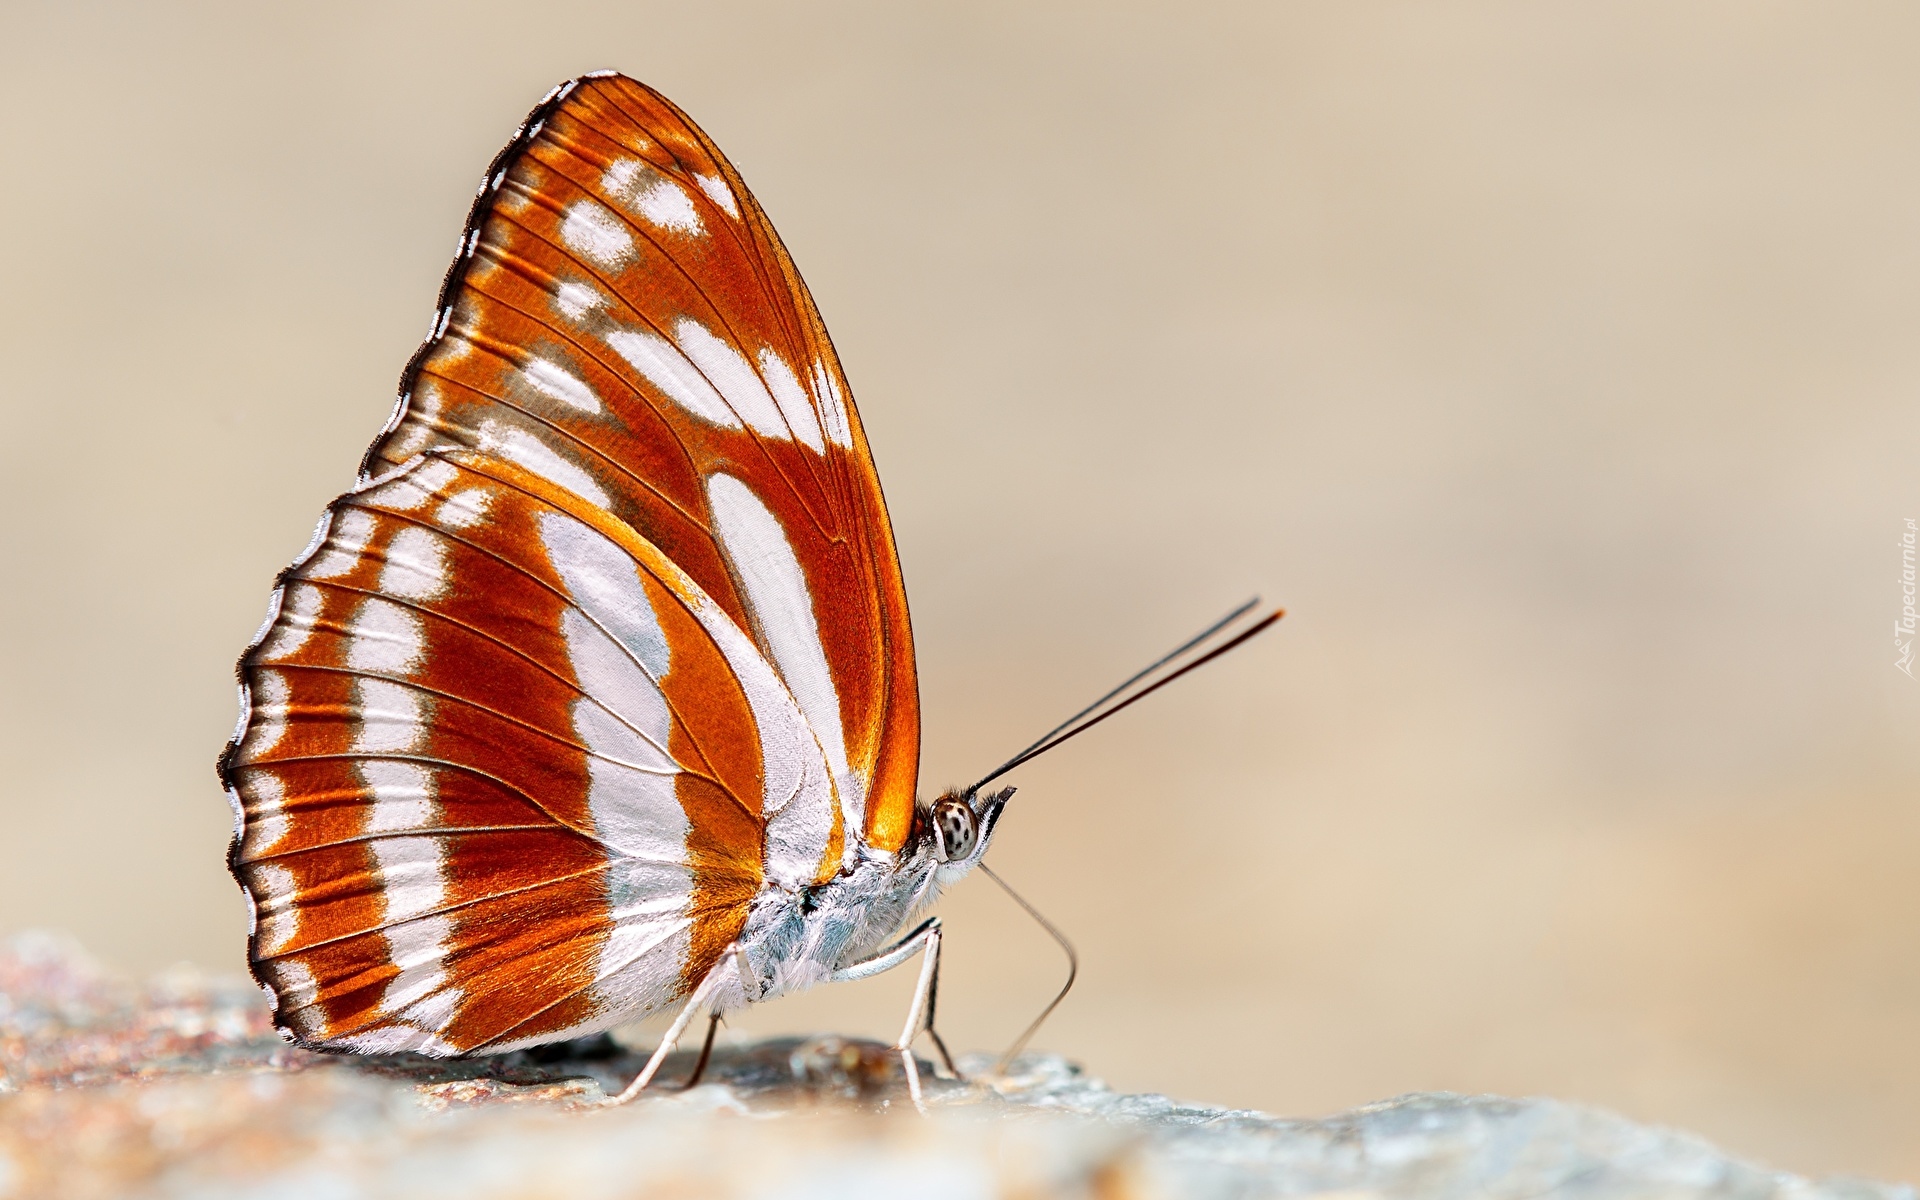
[795,939]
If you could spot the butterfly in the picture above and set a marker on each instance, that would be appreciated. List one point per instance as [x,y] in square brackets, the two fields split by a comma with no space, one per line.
[596,696]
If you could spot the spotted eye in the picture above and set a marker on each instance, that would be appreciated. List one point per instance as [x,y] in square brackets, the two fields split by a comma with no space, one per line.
[954,828]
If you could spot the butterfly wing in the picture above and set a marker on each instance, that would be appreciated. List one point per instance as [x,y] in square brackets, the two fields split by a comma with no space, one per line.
[611,635]
[624,321]
[509,774]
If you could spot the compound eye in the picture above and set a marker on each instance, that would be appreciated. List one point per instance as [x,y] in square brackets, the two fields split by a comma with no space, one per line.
[955,829]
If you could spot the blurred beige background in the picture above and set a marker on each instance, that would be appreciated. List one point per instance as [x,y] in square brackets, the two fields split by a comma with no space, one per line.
[1554,364]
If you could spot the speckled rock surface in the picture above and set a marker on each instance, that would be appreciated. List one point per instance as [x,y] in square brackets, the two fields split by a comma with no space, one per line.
[177,1087]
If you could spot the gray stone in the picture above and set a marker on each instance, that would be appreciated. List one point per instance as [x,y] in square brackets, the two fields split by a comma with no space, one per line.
[177,1087]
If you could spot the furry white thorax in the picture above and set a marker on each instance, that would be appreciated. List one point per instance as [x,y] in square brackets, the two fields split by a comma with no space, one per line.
[796,939]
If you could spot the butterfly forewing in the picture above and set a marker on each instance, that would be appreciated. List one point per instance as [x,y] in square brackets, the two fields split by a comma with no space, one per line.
[625,323]
[610,638]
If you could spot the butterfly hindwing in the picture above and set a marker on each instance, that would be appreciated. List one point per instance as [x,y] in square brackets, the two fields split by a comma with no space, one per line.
[508,773]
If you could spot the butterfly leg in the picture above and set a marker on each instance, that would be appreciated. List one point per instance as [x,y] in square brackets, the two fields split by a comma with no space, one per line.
[920,1013]
[706,1052]
[700,999]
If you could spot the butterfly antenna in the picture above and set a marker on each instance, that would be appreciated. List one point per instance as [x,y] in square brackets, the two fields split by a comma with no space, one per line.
[1073,973]
[1137,676]
[1055,735]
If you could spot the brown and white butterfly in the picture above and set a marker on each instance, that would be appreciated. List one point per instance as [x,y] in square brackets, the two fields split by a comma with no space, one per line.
[597,693]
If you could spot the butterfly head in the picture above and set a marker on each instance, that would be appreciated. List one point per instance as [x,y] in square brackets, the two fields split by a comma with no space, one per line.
[959,825]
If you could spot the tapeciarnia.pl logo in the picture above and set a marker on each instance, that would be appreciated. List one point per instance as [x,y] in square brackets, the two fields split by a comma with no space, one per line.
[1904,627]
